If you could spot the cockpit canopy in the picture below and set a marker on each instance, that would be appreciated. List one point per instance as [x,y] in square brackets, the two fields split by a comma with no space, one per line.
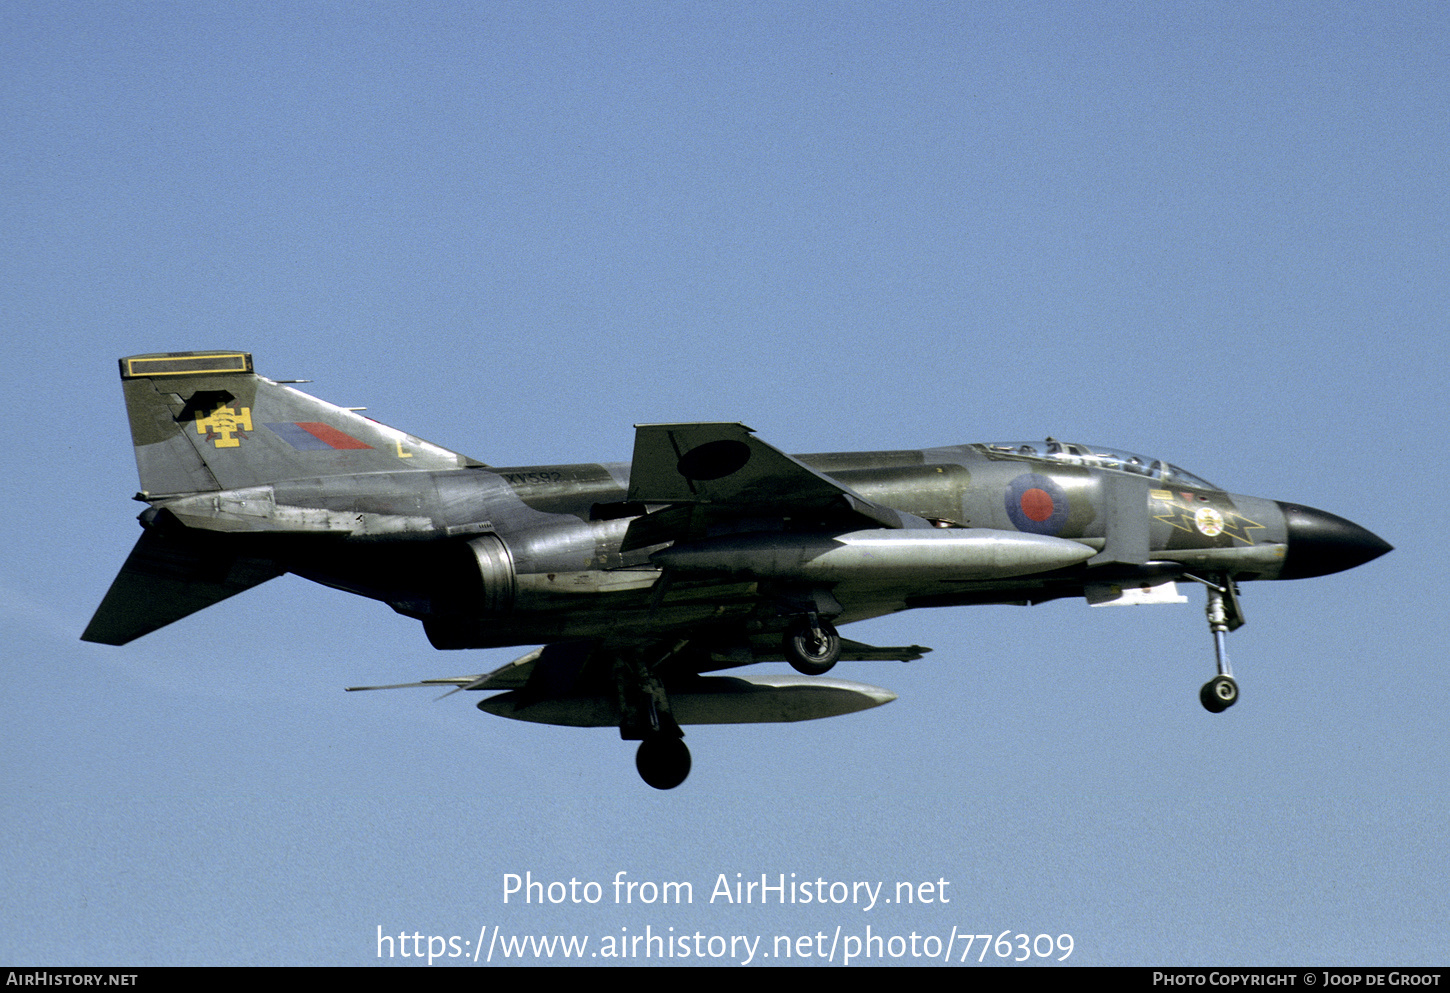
[1098,457]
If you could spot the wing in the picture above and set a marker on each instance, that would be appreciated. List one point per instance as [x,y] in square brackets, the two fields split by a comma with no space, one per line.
[578,684]
[702,473]
[513,676]
[694,477]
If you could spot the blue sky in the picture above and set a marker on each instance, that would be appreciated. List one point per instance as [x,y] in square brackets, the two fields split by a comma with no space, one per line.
[1215,233]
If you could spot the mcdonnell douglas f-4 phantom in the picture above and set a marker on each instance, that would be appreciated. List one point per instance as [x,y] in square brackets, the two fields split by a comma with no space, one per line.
[710,550]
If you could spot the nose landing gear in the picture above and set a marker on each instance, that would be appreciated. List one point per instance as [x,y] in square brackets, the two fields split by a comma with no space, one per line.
[1219,694]
[1224,615]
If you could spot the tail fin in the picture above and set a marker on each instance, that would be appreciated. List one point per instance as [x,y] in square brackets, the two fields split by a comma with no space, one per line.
[204,421]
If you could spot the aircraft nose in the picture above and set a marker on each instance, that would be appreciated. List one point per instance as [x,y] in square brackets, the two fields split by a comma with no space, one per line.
[1321,543]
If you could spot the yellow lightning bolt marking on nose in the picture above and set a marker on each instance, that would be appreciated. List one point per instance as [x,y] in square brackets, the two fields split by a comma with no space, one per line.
[1239,526]
[1182,516]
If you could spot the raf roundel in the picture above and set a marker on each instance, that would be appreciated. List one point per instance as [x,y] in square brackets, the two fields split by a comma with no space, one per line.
[1036,504]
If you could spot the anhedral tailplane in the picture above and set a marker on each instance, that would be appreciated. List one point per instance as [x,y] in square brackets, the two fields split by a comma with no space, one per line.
[204,422]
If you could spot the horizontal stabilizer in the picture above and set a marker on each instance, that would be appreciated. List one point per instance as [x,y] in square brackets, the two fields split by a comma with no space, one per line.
[167,578]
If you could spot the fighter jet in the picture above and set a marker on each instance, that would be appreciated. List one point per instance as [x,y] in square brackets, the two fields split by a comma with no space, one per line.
[710,550]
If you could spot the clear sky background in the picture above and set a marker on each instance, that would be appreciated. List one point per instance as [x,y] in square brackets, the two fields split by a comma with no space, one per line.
[1212,233]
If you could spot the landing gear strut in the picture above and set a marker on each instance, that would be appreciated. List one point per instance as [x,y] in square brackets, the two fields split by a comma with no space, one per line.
[812,646]
[663,759]
[1221,692]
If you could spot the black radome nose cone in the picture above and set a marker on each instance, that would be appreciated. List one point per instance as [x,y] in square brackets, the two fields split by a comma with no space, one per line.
[1321,543]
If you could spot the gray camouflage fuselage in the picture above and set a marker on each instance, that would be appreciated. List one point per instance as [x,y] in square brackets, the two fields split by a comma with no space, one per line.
[699,554]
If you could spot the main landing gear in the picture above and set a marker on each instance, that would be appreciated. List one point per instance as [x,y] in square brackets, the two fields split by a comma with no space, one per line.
[1224,615]
[663,759]
[812,646]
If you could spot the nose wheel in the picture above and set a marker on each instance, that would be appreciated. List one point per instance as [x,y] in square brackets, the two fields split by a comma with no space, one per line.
[1219,694]
[1224,615]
